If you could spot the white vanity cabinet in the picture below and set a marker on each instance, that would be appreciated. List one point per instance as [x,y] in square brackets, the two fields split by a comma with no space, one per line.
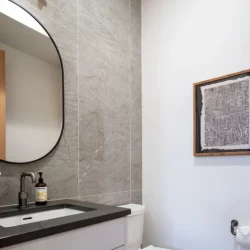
[108,235]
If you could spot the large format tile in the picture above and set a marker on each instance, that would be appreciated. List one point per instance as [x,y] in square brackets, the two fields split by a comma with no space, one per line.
[136,107]
[106,24]
[63,12]
[136,122]
[135,25]
[136,197]
[109,104]
[104,122]
[114,199]
[9,188]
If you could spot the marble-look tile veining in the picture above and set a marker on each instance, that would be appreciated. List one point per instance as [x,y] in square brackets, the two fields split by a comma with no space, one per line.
[136,105]
[135,25]
[136,122]
[61,11]
[114,199]
[99,156]
[106,24]
[104,121]
[136,196]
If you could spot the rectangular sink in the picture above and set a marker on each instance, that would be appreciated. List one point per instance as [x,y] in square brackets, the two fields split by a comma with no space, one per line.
[34,222]
[19,220]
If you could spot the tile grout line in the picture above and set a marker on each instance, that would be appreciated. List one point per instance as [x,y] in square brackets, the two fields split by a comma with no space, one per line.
[130,151]
[78,96]
[104,194]
[134,190]
[77,197]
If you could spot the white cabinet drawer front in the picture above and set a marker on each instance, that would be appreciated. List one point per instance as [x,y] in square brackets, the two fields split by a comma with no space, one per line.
[103,236]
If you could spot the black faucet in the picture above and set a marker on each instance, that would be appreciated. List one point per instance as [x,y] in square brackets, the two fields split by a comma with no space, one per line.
[22,195]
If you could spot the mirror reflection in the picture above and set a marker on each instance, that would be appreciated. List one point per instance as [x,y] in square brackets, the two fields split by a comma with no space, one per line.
[31,87]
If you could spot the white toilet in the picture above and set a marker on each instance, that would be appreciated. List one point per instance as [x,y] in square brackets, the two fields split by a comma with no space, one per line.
[134,228]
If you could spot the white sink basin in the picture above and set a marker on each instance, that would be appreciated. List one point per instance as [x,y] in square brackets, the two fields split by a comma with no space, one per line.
[18,220]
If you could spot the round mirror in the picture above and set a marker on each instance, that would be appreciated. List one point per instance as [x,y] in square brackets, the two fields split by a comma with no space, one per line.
[31,87]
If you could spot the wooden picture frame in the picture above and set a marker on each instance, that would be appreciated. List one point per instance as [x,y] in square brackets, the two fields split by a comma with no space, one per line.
[221,115]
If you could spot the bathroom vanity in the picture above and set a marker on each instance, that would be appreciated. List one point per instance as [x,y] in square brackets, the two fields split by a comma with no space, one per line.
[63,224]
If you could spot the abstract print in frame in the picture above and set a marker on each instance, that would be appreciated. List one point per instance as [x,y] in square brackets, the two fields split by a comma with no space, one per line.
[221,115]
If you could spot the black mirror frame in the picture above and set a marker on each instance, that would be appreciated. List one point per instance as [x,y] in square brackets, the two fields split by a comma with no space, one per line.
[63,109]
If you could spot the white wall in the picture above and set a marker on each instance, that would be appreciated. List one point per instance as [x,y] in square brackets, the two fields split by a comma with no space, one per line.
[190,201]
[34,106]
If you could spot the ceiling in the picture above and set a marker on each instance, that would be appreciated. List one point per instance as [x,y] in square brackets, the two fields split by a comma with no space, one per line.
[27,40]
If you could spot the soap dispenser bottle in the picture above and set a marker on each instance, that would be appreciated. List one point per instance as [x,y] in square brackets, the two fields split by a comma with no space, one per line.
[41,191]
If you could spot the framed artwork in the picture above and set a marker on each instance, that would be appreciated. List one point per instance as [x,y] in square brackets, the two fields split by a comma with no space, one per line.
[221,115]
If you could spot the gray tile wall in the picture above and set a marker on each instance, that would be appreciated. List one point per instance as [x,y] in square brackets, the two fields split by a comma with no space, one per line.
[99,157]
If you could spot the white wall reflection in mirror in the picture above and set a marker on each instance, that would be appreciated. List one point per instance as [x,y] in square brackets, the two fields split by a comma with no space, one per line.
[31,87]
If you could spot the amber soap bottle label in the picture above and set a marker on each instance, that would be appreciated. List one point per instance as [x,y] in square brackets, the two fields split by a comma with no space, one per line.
[41,194]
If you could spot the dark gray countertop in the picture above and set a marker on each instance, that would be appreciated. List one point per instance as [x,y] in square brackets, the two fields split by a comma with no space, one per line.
[95,213]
